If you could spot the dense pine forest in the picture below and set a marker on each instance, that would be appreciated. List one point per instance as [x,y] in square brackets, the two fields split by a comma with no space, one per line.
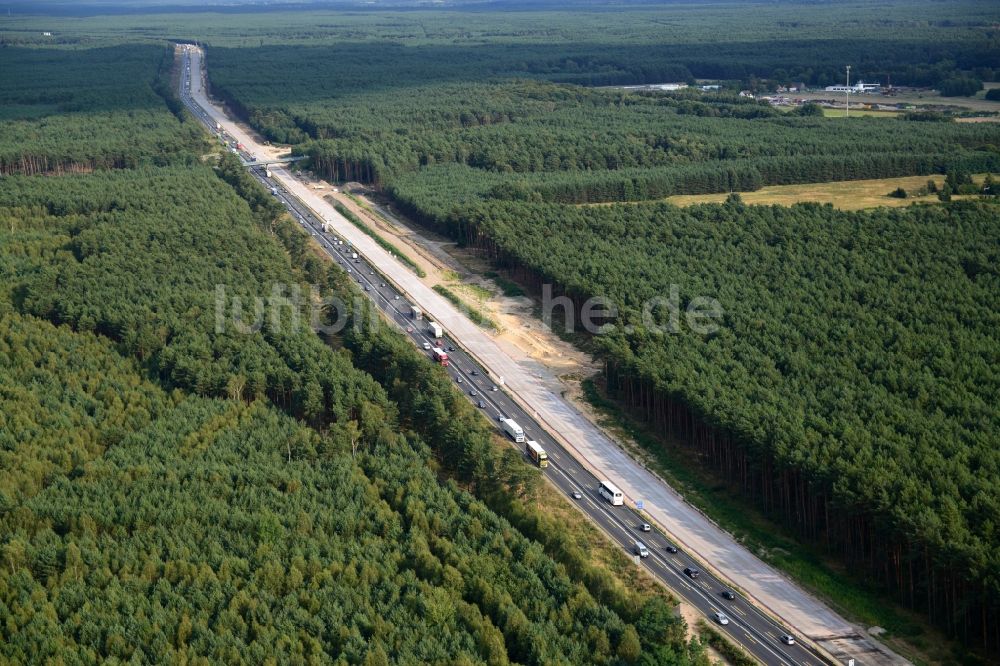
[103,108]
[173,490]
[851,388]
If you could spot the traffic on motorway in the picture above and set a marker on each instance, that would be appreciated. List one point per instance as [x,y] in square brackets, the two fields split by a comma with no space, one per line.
[732,614]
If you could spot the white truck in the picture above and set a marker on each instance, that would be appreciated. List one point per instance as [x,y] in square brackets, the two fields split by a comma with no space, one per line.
[415,313]
[435,329]
[514,431]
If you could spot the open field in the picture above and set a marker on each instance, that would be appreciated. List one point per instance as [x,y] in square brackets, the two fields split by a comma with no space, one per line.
[840,113]
[925,98]
[846,195]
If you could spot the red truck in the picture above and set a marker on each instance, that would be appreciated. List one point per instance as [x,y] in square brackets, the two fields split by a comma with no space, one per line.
[440,356]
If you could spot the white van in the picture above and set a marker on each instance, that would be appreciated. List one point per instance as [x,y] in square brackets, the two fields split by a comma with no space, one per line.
[640,549]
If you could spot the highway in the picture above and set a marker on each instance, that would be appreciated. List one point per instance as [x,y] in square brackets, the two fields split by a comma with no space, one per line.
[388,284]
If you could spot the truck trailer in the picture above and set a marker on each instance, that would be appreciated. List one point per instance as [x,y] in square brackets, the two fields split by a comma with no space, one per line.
[537,453]
[435,329]
[513,430]
[440,356]
[415,313]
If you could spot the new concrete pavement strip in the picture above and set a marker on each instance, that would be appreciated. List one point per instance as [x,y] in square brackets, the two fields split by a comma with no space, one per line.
[694,531]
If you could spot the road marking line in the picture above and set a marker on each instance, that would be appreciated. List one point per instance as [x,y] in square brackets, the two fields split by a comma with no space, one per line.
[751,638]
[740,611]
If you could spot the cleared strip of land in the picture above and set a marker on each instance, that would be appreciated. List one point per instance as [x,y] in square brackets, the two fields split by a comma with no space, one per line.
[846,195]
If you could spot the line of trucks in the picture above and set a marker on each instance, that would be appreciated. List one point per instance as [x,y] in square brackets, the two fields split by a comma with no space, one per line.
[531,448]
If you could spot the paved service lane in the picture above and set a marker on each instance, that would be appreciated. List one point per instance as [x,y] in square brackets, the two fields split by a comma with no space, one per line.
[580,453]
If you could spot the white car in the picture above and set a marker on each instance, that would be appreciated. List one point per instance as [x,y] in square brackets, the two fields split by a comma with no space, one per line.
[722,618]
[427,346]
[788,639]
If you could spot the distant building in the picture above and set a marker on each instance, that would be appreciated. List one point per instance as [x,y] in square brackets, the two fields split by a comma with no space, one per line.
[710,87]
[46,34]
[746,93]
[658,86]
[858,88]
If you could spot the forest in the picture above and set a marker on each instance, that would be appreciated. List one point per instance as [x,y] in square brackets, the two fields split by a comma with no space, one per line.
[173,490]
[911,42]
[851,389]
[580,144]
[179,495]
[103,108]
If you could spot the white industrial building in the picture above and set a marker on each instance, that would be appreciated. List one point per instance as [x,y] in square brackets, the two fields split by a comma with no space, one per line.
[858,88]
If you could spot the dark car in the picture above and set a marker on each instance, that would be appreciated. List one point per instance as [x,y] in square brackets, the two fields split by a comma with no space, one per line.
[474,373]
[473,393]
[728,594]
[450,348]
[481,404]
[692,573]
[671,548]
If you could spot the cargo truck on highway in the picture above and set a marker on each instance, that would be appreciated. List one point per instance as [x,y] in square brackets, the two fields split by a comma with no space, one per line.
[513,430]
[435,329]
[415,313]
[440,356]
[537,453]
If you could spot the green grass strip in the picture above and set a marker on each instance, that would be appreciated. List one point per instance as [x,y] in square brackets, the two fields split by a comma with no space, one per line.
[383,243]
[473,314]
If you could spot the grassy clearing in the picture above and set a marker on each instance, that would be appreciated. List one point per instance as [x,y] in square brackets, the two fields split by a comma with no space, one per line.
[472,313]
[479,292]
[510,289]
[841,113]
[845,195]
[383,243]
[906,632]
